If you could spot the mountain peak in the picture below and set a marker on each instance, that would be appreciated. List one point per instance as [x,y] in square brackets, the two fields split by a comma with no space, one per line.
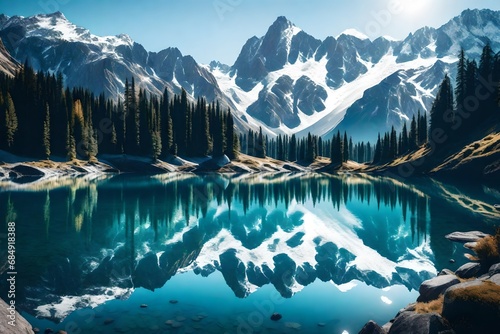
[282,19]
[354,33]
[55,15]
[281,25]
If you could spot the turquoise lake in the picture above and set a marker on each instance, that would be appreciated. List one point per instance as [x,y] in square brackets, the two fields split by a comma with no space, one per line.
[185,253]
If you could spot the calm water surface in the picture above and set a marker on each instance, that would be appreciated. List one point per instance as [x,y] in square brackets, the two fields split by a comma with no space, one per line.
[220,254]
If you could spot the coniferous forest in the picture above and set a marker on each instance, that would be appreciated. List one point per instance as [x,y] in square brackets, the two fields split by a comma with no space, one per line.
[40,117]
[43,118]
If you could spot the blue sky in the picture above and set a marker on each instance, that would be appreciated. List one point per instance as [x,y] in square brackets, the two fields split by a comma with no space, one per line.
[217,29]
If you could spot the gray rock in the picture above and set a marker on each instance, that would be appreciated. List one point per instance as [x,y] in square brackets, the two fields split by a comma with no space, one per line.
[494,269]
[372,327]
[468,270]
[387,326]
[446,272]
[415,323]
[470,245]
[472,236]
[472,315]
[432,288]
[22,326]
[495,279]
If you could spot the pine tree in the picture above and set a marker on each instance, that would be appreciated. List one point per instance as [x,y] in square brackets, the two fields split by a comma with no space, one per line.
[292,150]
[393,150]
[368,152]
[485,71]
[46,133]
[232,147]
[422,128]
[336,155]
[70,144]
[260,145]
[404,147]
[11,123]
[461,89]
[412,135]
[310,148]
[145,111]
[345,147]
[442,107]
[205,142]
[165,125]
[378,151]
[470,91]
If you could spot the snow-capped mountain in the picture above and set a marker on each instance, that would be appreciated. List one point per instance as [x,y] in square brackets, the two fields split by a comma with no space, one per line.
[52,43]
[286,81]
[349,83]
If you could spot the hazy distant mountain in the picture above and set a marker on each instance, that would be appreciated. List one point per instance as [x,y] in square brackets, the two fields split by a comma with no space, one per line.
[286,81]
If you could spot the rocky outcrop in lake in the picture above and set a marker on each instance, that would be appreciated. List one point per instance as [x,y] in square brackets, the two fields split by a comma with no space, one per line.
[466,301]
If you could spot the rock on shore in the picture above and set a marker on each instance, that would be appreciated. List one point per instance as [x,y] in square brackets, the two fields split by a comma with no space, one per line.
[471,299]
[22,326]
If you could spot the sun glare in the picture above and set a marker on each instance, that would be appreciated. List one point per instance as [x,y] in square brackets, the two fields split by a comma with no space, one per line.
[416,8]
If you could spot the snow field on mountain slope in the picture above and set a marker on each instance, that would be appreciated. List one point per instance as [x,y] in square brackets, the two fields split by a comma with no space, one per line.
[338,100]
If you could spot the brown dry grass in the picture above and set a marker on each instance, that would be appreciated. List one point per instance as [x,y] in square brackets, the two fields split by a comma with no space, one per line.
[434,306]
[488,292]
[487,249]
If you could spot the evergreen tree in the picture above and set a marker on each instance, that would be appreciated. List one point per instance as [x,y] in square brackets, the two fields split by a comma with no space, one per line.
[310,148]
[292,150]
[461,89]
[232,146]
[205,142]
[11,123]
[345,147]
[351,153]
[485,71]
[336,155]
[378,151]
[442,106]
[412,135]
[422,128]
[46,133]
[404,146]
[368,152]
[218,134]
[165,125]
[260,145]
[393,148]
[470,91]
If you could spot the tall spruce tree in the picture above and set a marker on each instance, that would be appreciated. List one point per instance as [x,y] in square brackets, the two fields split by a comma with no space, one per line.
[11,123]
[232,140]
[345,148]
[336,150]
[461,80]
[442,107]
[46,132]
[260,145]
[292,150]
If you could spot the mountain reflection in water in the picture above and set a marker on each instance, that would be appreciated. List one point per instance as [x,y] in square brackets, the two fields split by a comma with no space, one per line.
[102,238]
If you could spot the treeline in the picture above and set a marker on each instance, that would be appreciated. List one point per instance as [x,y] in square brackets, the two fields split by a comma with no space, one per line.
[40,118]
[392,145]
[306,149]
[474,101]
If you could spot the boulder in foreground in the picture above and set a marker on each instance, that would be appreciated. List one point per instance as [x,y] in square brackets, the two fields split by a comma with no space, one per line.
[471,236]
[22,326]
